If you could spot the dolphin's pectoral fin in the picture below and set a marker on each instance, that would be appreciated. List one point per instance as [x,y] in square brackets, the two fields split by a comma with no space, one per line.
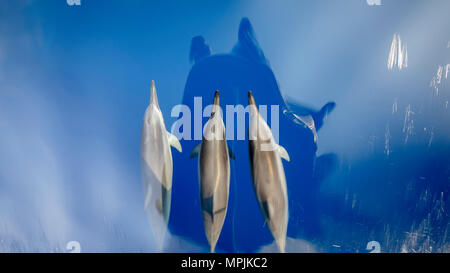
[174,142]
[230,153]
[208,205]
[283,153]
[196,151]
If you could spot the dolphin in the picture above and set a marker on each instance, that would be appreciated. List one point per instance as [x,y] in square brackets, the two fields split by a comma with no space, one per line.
[214,173]
[269,181]
[156,164]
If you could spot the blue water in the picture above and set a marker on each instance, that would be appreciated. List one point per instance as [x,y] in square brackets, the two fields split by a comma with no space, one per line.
[74,85]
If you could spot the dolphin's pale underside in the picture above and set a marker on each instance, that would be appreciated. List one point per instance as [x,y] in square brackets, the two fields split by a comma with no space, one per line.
[156,161]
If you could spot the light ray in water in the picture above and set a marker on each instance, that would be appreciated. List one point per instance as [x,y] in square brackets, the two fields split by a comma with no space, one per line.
[398,55]
[408,123]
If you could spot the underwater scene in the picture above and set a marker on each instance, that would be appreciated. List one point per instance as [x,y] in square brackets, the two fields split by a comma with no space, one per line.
[225,126]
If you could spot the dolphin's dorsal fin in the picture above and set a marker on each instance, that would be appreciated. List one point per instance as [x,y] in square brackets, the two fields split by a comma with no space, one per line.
[196,151]
[247,45]
[283,153]
[174,142]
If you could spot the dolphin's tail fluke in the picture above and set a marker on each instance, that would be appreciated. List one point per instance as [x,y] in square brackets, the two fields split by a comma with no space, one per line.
[303,110]
[320,116]
[323,112]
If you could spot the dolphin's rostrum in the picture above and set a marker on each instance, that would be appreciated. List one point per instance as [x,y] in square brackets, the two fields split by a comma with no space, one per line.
[214,173]
[267,170]
[156,162]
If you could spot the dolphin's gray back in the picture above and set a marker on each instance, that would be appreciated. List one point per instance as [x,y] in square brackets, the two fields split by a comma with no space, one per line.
[269,182]
[214,177]
[267,171]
